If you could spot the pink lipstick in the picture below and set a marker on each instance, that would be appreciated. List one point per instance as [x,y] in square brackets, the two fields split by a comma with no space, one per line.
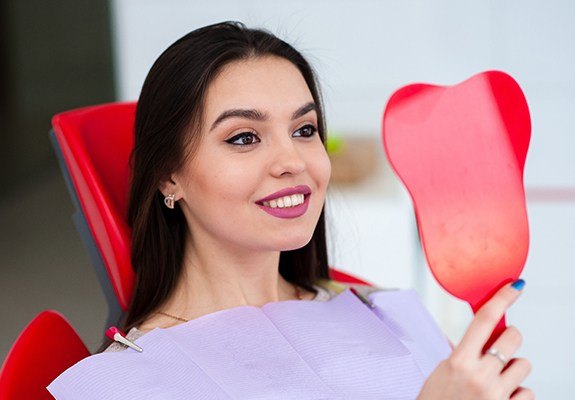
[287,212]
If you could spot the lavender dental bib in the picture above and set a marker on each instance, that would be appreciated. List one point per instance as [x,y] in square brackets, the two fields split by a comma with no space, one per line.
[339,349]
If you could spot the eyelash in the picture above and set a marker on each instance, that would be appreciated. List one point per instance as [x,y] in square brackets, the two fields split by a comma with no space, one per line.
[243,135]
[311,129]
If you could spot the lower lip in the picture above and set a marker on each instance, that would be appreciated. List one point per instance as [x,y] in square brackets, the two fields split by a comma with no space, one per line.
[289,212]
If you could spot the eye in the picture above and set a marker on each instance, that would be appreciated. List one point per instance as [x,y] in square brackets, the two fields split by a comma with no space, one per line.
[305,131]
[243,139]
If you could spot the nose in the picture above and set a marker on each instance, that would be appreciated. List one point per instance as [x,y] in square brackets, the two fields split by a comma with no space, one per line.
[287,159]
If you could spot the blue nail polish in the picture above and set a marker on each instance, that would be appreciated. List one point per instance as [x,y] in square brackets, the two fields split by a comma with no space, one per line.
[518,284]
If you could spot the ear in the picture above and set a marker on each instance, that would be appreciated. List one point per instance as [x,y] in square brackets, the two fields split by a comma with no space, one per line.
[170,186]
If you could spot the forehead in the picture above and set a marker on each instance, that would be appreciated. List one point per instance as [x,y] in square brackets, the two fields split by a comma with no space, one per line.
[269,84]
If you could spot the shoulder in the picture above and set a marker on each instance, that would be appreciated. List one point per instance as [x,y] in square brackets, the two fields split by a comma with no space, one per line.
[332,288]
[365,290]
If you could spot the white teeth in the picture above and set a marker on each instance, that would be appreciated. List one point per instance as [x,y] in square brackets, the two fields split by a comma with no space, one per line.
[286,201]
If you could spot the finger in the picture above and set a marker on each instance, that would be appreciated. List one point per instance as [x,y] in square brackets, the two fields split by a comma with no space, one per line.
[488,316]
[506,345]
[515,373]
[522,394]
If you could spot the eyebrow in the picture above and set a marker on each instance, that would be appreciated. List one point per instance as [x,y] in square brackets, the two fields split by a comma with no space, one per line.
[257,115]
[303,110]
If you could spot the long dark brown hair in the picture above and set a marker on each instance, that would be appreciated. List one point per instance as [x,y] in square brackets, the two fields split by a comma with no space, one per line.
[167,132]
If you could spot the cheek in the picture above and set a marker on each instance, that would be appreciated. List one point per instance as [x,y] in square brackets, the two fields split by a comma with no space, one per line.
[225,182]
[320,168]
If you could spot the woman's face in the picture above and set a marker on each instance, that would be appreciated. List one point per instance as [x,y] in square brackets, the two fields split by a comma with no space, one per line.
[260,156]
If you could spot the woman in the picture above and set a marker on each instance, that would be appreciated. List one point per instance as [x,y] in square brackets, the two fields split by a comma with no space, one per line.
[226,207]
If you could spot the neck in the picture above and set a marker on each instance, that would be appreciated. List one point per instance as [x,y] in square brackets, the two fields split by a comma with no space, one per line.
[215,278]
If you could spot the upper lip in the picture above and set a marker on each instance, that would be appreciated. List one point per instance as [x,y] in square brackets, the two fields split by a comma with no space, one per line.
[300,189]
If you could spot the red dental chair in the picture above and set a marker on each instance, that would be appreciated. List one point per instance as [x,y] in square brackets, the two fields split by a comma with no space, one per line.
[45,348]
[93,146]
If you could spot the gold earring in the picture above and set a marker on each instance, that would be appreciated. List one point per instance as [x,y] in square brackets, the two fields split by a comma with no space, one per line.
[169,201]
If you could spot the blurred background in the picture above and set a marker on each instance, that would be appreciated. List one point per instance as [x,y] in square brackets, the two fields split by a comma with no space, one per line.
[66,54]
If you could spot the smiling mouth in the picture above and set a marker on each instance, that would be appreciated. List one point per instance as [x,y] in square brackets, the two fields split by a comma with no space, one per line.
[288,197]
[288,206]
[293,200]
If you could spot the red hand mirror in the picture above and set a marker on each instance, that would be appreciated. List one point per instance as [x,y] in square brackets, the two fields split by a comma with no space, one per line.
[460,151]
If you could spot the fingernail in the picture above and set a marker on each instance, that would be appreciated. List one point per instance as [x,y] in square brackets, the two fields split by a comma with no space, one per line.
[518,284]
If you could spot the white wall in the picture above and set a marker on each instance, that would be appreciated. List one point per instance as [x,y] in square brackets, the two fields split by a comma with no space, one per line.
[364,50]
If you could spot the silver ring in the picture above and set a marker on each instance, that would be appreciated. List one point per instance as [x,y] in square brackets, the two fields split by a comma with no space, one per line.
[492,351]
